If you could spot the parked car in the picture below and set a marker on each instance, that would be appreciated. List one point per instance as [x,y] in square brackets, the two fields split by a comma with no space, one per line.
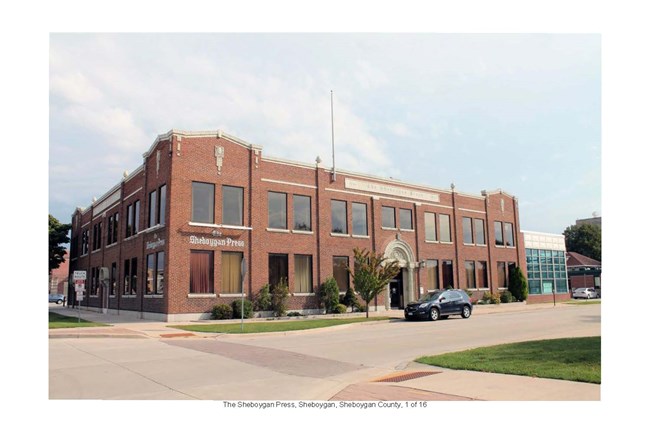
[585,293]
[58,299]
[440,304]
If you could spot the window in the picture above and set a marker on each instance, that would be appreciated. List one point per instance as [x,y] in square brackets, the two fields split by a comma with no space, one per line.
[339,216]
[468,237]
[153,208]
[232,205]
[510,239]
[231,272]
[432,274]
[160,273]
[445,228]
[94,281]
[278,269]
[501,274]
[202,202]
[151,273]
[130,276]
[447,273]
[97,236]
[127,277]
[498,233]
[470,277]
[133,218]
[303,274]
[201,271]
[511,271]
[406,219]
[302,213]
[114,278]
[359,219]
[430,226]
[109,230]
[129,220]
[481,275]
[388,217]
[340,269]
[84,242]
[162,204]
[479,231]
[277,210]
[113,227]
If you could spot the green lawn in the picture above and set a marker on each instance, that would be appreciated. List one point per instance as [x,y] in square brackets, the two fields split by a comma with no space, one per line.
[60,321]
[575,359]
[582,301]
[274,326]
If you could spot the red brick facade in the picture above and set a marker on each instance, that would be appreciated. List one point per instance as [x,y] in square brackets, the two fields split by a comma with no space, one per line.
[178,158]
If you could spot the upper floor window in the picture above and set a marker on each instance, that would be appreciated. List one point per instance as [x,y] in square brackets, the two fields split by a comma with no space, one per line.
[153,207]
[203,202]
[112,229]
[479,231]
[388,217]
[430,226]
[509,235]
[406,219]
[468,237]
[498,233]
[84,242]
[133,218]
[339,216]
[97,236]
[233,205]
[359,219]
[445,228]
[302,212]
[277,210]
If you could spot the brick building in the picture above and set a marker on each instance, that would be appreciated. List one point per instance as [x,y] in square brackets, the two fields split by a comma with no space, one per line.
[168,240]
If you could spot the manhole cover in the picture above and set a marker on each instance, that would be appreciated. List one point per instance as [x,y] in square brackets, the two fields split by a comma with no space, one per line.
[401,377]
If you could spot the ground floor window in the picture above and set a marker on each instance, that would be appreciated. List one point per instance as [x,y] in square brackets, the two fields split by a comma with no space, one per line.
[94,281]
[481,275]
[546,270]
[447,273]
[114,278]
[278,269]
[501,275]
[231,272]
[340,269]
[432,274]
[470,275]
[130,276]
[155,273]
[201,271]
[303,273]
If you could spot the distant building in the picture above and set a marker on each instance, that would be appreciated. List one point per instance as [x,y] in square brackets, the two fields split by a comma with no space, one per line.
[546,266]
[59,278]
[583,271]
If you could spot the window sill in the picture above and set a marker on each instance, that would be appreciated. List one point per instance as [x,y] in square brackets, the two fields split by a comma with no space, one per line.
[201,295]
[446,243]
[229,295]
[272,230]
[219,226]
[303,294]
[389,228]
[340,235]
[129,296]
[156,296]
[302,232]
[131,237]
[431,242]
[361,236]
[153,228]
[407,230]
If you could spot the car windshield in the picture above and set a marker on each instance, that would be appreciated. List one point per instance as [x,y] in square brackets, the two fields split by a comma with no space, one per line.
[431,296]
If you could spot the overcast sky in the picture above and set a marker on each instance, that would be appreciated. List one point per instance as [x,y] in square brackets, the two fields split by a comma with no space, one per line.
[520,112]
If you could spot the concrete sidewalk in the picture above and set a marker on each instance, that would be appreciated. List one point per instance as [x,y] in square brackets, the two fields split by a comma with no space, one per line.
[415,382]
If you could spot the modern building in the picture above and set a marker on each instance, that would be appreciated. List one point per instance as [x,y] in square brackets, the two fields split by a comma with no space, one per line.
[583,272]
[167,242]
[546,267]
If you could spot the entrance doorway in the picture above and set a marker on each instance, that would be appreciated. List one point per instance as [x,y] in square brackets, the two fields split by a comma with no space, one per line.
[396,289]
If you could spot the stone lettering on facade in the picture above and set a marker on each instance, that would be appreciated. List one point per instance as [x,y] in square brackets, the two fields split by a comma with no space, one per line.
[216,242]
[380,188]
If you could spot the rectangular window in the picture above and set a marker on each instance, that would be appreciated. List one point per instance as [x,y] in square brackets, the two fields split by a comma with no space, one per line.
[278,269]
[162,204]
[359,219]
[406,219]
[388,217]
[470,277]
[339,216]
[510,238]
[109,230]
[302,213]
[202,202]
[151,273]
[129,220]
[468,236]
[134,276]
[232,205]
[153,207]
[511,270]
[160,273]
[84,242]
[430,226]
[340,269]
[481,275]
[114,278]
[277,210]
[127,277]
[97,236]
[445,228]
[231,272]
[303,274]
[201,271]
[501,275]
[479,231]
[432,274]
[498,233]
[94,281]
[447,274]
[136,217]
[116,227]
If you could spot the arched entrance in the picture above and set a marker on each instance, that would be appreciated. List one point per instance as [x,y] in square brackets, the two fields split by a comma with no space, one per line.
[401,290]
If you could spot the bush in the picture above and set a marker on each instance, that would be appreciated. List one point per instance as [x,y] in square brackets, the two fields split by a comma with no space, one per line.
[350,299]
[361,308]
[518,285]
[279,295]
[263,301]
[294,314]
[506,297]
[340,309]
[329,295]
[489,298]
[222,312]
[236,309]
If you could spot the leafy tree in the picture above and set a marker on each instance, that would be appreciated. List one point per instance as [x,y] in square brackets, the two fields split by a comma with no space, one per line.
[584,239]
[58,236]
[372,272]
[329,295]
[518,286]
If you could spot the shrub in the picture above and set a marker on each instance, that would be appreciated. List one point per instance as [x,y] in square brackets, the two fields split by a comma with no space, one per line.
[340,309]
[293,314]
[506,297]
[329,295]
[263,301]
[361,308]
[279,295]
[222,312]
[518,285]
[489,298]
[236,309]
[350,299]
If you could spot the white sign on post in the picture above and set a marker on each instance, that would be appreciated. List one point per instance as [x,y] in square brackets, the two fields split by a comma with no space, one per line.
[79,275]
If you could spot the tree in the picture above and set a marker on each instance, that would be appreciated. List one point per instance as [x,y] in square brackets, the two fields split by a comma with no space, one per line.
[584,239]
[329,295]
[58,236]
[518,286]
[372,272]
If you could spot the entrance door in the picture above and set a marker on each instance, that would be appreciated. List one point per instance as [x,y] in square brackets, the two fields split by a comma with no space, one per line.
[396,293]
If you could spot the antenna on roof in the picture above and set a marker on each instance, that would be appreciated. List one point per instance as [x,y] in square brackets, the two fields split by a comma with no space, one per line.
[333,159]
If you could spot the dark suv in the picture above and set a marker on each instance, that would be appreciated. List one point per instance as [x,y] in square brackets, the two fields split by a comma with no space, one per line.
[440,303]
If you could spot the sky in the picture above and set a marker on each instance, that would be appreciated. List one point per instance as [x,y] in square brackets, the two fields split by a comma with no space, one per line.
[519,112]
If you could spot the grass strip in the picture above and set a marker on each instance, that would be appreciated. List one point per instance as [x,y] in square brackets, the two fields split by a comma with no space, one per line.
[274,326]
[575,359]
[60,321]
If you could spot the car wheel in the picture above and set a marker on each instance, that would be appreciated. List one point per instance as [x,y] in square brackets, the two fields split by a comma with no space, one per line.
[466,312]
[434,314]
[58,302]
